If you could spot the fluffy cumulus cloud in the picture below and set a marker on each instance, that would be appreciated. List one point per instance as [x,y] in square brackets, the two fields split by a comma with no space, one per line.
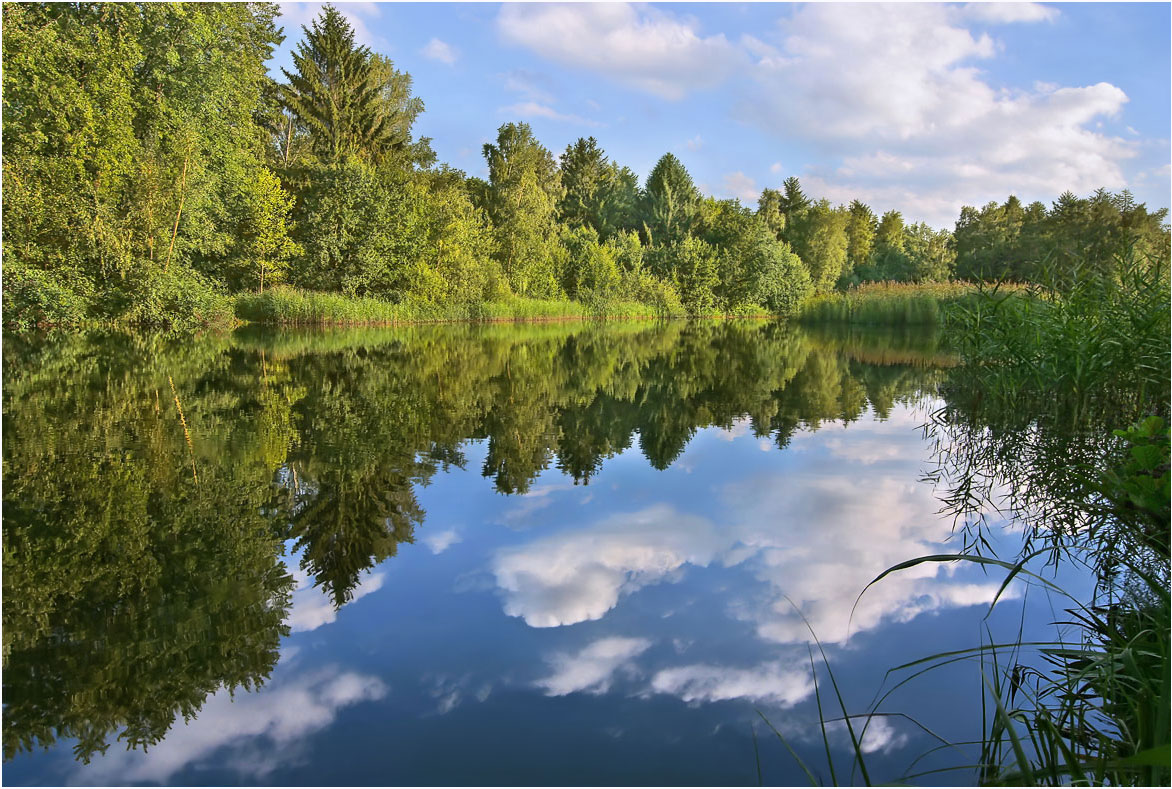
[769,683]
[814,535]
[855,517]
[1010,12]
[895,96]
[579,575]
[898,91]
[646,48]
[593,668]
[283,714]
[878,734]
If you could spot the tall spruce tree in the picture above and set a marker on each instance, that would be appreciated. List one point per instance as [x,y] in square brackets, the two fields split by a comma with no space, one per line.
[670,201]
[337,91]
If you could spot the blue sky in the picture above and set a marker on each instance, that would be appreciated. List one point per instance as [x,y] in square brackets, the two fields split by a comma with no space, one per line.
[918,107]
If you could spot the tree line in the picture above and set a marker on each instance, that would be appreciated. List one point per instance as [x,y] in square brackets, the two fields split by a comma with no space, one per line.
[152,168]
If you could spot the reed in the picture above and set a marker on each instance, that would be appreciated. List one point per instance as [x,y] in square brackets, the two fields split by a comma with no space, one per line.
[888,304]
[294,307]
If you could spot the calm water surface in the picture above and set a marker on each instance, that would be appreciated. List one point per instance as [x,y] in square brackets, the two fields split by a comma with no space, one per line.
[539,554]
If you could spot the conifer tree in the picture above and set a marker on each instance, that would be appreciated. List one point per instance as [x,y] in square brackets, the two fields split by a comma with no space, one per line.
[670,201]
[336,91]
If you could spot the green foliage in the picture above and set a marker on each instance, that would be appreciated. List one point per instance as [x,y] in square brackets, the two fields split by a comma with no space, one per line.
[670,202]
[1076,235]
[598,193]
[286,306]
[1027,429]
[818,235]
[691,266]
[350,222]
[524,189]
[589,272]
[1094,353]
[178,298]
[35,297]
[780,283]
[780,209]
[1139,488]
[932,255]
[860,235]
[129,133]
[454,253]
[147,151]
[348,100]
[889,304]
[769,207]
[136,581]
[263,229]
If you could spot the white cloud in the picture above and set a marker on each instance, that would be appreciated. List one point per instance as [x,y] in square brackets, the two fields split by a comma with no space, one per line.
[740,186]
[284,712]
[646,48]
[537,498]
[775,168]
[451,692]
[768,683]
[311,608]
[593,668]
[815,534]
[740,427]
[439,542]
[533,109]
[895,89]
[996,12]
[441,51]
[822,532]
[694,144]
[579,575]
[878,735]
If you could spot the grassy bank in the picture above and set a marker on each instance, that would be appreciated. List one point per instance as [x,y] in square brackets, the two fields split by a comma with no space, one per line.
[285,306]
[888,304]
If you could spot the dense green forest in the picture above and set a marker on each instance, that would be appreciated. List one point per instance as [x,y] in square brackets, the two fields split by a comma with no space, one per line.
[154,170]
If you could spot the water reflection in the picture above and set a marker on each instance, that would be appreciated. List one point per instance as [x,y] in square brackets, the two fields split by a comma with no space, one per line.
[173,508]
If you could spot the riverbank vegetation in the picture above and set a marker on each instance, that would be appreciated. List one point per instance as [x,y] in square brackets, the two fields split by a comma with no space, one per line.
[889,303]
[154,170]
[1057,419]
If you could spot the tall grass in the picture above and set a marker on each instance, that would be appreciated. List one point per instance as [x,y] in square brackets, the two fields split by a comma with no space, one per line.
[1027,431]
[294,307]
[888,304]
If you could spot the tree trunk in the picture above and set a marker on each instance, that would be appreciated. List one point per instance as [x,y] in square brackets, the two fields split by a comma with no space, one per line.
[288,140]
[175,229]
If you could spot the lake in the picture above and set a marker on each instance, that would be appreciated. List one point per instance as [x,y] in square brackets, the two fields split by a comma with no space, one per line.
[561,553]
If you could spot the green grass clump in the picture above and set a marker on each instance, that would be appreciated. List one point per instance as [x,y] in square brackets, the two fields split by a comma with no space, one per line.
[289,306]
[888,304]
